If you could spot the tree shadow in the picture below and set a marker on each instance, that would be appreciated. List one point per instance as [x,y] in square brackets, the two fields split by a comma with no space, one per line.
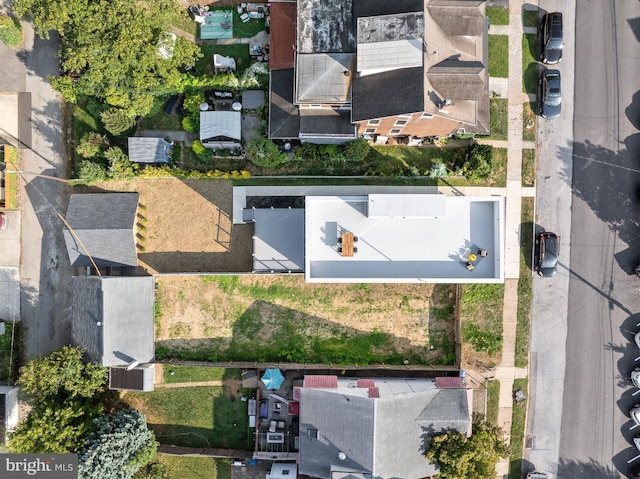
[592,469]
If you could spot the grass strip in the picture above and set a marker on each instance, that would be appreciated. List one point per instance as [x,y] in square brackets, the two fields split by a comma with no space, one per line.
[518,420]
[493,401]
[499,56]
[498,16]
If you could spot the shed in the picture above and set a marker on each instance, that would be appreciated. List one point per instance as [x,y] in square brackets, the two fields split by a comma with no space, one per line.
[252,99]
[220,130]
[149,150]
[278,240]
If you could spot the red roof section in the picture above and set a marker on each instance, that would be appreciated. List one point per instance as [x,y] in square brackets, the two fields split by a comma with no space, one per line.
[296,393]
[294,408]
[449,382]
[282,38]
[366,383]
[318,381]
[374,392]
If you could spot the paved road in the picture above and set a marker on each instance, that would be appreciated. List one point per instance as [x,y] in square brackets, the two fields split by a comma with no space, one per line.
[605,243]
[45,275]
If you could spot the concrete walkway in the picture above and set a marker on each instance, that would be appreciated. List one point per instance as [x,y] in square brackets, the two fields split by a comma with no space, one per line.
[506,372]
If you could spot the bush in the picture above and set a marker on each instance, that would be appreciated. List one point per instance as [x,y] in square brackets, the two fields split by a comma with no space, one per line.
[117,121]
[10,31]
[90,171]
[119,165]
[91,145]
[357,151]
[438,171]
[191,123]
[198,148]
[478,165]
[264,152]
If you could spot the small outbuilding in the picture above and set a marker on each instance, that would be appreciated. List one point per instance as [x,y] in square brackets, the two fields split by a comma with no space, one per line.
[221,130]
[252,99]
[149,150]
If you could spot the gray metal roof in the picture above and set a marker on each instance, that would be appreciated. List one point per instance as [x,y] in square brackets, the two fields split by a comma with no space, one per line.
[104,223]
[325,26]
[383,436]
[324,78]
[149,150]
[278,239]
[112,318]
[284,116]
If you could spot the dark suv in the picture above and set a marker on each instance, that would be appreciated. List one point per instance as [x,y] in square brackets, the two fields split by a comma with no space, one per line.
[551,38]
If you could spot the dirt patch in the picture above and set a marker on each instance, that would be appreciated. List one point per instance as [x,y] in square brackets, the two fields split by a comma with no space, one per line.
[214,312]
[186,225]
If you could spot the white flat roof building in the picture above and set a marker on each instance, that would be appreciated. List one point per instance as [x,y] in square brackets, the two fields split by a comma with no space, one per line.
[405,238]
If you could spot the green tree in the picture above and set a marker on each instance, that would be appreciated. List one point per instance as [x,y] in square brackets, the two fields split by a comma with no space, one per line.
[478,163]
[357,150]
[117,120]
[263,152]
[62,375]
[120,166]
[469,458]
[112,48]
[91,145]
[10,31]
[57,428]
[117,447]
[90,171]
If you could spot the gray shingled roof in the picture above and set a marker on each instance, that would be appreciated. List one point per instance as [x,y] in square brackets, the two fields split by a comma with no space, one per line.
[385,436]
[459,80]
[149,150]
[372,8]
[326,122]
[112,318]
[104,223]
[284,116]
[395,92]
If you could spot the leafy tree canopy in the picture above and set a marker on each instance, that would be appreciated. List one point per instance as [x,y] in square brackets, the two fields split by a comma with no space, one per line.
[113,48]
[62,375]
[54,428]
[472,458]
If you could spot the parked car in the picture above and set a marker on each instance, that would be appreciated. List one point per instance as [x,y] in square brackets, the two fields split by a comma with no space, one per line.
[635,473]
[551,38]
[548,247]
[536,475]
[3,221]
[549,94]
[635,415]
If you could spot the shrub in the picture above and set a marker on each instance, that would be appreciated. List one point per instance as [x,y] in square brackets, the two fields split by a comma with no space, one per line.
[90,171]
[478,164]
[438,171]
[119,165]
[264,152]
[191,123]
[91,145]
[10,31]
[357,150]
[117,121]
[198,148]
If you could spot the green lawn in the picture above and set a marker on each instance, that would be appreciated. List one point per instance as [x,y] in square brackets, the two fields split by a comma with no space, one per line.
[161,121]
[498,168]
[518,424]
[499,56]
[195,467]
[529,121]
[195,417]
[493,401]
[524,284]
[529,63]
[246,30]
[499,120]
[240,52]
[498,16]
[187,374]
[481,313]
[528,167]
[529,18]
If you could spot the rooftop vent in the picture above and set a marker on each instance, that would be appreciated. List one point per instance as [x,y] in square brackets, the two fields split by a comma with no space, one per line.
[342,456]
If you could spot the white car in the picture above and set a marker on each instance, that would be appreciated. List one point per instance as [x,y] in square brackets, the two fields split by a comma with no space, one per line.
[537,475]
[635,377]
[635,414]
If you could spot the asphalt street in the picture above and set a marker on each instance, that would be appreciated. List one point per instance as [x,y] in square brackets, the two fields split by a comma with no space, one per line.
[45,299]
[603,295]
